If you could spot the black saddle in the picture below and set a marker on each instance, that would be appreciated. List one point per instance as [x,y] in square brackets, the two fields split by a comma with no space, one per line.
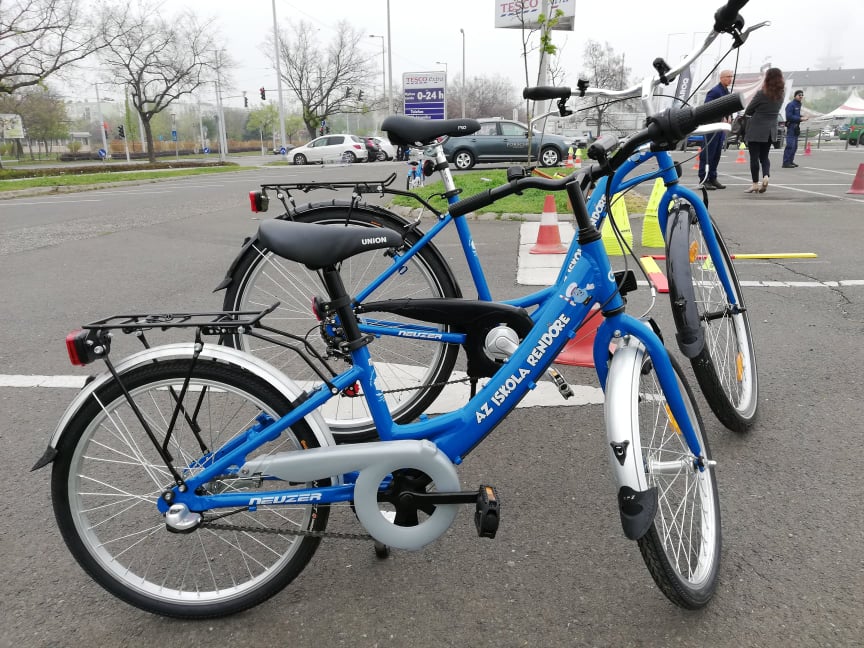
[319,246]
[413,131]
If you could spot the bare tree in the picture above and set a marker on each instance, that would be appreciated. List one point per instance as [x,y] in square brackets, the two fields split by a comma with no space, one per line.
[484,97]
[39,37]
[161,58]
[603,69]
[326,80]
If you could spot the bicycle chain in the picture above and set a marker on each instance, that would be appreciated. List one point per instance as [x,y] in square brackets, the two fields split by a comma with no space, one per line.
[295,532]
[438,384]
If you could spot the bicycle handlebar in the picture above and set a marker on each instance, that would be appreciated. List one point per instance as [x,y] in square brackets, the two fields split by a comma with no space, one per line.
[669,126]
[727,17]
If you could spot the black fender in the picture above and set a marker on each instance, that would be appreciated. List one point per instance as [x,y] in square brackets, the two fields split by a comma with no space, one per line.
[307,212]
[689,333]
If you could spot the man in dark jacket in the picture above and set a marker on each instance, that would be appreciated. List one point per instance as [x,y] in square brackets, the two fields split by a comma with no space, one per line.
[793,129]
[710,154]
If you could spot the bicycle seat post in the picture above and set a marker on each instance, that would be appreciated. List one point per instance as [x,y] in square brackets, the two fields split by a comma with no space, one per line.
[340,302]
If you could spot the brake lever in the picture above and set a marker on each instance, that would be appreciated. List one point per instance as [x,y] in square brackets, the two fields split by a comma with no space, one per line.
[740,37]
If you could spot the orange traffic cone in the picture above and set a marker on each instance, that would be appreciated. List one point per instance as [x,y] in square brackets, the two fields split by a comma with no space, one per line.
[696,163]
[807,149]
[577,161]
[548,237]
[569,164]
[741,159]
[579,351]
[858,183]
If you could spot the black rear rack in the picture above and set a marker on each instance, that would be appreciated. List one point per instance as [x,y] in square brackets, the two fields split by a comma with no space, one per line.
[359,188]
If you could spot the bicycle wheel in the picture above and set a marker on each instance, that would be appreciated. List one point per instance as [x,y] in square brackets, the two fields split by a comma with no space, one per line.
[682,546]
[725,367]
[108,476]
[411,371]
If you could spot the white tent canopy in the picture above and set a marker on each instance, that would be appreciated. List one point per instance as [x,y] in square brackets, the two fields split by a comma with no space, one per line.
[852,107]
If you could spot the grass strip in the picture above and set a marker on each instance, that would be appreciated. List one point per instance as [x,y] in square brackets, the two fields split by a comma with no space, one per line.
[104,178]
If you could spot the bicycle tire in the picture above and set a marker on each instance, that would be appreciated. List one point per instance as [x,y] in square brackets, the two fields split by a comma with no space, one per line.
[684,566]
[260,278]
[725,367]
[107,468]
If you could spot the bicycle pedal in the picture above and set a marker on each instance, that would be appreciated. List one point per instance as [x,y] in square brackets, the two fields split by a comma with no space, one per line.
[488,511]
[563,388]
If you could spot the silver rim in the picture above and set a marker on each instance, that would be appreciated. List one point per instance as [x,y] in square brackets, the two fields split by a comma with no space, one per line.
[725,335]
[549,157]
[463,161]
[116,477]
[686,514]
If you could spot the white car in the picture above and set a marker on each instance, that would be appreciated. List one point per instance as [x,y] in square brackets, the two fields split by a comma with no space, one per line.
[331,148]
[386,146]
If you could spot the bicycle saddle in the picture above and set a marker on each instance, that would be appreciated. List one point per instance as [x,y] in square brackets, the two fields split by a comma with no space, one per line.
[320,246]
[410,131]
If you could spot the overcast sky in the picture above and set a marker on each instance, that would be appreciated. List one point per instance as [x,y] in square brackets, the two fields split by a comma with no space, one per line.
[424,32]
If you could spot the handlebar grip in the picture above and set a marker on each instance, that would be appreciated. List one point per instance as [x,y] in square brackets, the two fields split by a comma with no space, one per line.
[600,148]
[727,16]
[541,93]
[469,204]
[716,110]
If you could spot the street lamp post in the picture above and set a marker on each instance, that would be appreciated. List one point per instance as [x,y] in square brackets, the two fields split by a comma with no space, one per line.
[389,64]
[462,31]
[101,121]
[283,143]
[383,68]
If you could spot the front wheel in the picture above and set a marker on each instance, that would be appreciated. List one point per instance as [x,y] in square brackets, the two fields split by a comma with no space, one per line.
[725,366]
[299,159]
[463,160]
[108,477]
[549,157]
[681,548]
[411,368]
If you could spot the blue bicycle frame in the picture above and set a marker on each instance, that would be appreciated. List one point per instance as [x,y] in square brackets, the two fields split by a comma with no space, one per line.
[597,208]
[587,279]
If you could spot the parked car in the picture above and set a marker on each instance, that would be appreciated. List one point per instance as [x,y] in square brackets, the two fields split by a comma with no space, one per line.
[386,147]
[277,150]
[373,151]
[502,140]
[331,148]
[853,131]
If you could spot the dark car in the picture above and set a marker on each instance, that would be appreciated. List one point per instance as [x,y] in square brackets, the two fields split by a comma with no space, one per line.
[373,149]
[501,140]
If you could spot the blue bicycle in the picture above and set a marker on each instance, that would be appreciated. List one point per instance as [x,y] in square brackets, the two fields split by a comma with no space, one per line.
[194,480]
[416,361]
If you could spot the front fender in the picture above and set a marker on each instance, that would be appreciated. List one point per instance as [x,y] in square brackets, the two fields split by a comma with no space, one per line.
[689,333]
[224,354]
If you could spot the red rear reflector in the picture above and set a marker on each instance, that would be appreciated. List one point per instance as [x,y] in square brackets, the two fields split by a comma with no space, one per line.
[72,341]
[253,201]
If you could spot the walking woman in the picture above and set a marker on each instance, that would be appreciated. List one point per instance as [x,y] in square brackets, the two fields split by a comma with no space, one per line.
[763,110]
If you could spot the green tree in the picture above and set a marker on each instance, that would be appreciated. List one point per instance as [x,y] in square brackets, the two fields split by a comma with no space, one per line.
[43,114]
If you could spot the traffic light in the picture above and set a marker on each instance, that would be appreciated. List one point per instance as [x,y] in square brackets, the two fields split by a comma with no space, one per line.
[360,96]
[263,93]
[121,132]
[245,101]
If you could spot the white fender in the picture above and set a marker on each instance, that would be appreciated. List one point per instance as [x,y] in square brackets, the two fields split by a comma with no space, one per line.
[622,429]
[228,355]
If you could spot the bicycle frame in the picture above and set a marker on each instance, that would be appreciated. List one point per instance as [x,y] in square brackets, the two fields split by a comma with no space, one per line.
[587,279]
[597,208]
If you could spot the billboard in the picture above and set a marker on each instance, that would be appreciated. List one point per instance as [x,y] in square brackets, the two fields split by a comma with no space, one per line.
[511,15]
[424,94]
[11,127]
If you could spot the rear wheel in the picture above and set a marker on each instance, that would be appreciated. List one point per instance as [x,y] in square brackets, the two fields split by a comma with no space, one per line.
[725,367]
[682,546]
[348,157]
[108,477]
[409,369]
